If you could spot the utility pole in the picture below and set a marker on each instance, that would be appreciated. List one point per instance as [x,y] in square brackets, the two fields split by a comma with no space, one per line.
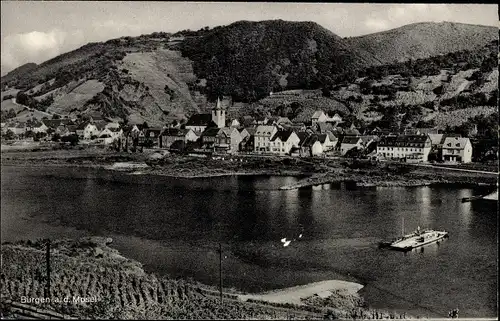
[48,269]
[220,271]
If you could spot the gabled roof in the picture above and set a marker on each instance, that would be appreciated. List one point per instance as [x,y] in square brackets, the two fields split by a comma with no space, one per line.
[100,124]
[322,138]
[283,120]
[250,130]
[52,123]
[211,132]
[455,142]
[227,131]
[83,125]
[175,132]
[302,136]
[437,139]
[323,127]
[154,130]
[199,120]
[264,130]
[310,140]
[318,113]
[283,135]
[351,140]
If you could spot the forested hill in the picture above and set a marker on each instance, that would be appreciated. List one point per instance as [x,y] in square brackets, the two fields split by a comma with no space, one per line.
[247,60]
[422,40]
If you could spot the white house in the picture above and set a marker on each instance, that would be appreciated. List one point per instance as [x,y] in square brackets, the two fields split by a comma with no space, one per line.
[350,142]
[311,146]
[112,125]
[283,141]
[39,127]
[409,147]
[87,130]
[262,138]
[319,117]
[457,149]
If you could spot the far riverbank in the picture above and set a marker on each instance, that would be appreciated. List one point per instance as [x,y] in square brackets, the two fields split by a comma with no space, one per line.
[313,171]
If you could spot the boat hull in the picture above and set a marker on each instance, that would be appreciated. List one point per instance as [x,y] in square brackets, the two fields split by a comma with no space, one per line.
[414,241]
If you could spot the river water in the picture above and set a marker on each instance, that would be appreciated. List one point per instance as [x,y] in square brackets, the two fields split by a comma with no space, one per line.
[174,226]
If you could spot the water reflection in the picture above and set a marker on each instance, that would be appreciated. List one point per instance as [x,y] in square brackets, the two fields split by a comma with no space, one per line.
[425,206]
[464,209]
[341,228]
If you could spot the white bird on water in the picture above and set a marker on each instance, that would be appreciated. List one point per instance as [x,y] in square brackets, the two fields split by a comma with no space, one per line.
[286,243]
[300,236]
[283,240]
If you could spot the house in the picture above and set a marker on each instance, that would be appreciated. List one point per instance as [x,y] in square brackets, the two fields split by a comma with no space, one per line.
[95,116]
[72,129]
[311,146]
[235,123]
[221,139]
[106,137]
[322,128]
[52,123]
[86,130]
[38,127]
[282,142]
[209,137]
[247,139]
[151,136]
[336,118]
[332,142]
[319,116]
[19,129]
[199,122]
[457,149]
[408,147]
[283,122]
[10,126]
[260,120]
[170,135]
[62,130]
[326,144]
[262,138]
[229,139]
[350,142]
[112,125]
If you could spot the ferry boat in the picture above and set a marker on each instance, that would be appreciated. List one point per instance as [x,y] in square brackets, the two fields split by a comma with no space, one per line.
[414,240]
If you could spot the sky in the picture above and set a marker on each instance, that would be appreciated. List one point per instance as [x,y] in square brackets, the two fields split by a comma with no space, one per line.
[35,31]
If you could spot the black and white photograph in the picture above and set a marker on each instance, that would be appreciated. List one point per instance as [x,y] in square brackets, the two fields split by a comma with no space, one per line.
[249,160]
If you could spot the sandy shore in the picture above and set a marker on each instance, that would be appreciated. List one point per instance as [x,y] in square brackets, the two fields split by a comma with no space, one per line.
[294,294]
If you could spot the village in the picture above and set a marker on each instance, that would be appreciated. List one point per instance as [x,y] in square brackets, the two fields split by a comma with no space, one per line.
[214,133]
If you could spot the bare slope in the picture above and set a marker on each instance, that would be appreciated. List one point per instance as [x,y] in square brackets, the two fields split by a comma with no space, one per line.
[422,40]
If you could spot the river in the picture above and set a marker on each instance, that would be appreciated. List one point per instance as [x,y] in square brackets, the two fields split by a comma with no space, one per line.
[173,226]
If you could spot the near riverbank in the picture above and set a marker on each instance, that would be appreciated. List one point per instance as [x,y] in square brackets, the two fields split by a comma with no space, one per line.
[108,285]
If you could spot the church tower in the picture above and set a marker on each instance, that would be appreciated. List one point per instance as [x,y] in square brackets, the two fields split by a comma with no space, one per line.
[219,114]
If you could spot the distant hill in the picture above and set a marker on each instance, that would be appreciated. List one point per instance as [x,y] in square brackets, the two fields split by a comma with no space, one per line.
[19,71]
[247,60]
[160,77]
[422,40]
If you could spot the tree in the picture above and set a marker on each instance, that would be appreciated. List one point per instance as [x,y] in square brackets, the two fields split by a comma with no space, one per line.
[9,134]
[145,125]
[56,116]
[11,113]
[56,137]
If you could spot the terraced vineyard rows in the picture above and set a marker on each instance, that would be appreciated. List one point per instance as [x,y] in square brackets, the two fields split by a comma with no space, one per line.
[120,286]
